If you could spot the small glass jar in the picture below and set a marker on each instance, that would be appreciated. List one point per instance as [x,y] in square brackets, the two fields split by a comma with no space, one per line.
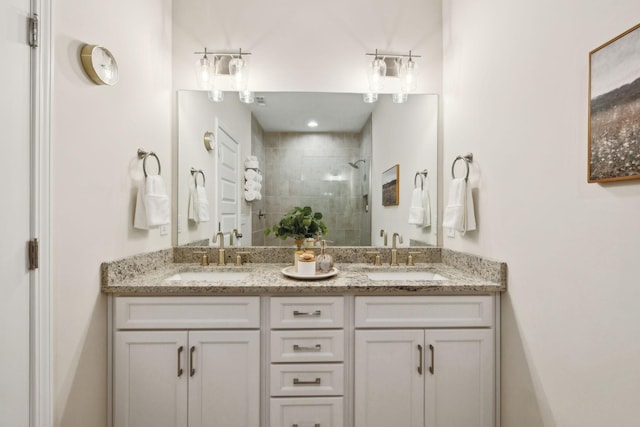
[324,261]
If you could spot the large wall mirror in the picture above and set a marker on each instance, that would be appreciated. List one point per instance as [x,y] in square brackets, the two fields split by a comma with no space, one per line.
[324,150]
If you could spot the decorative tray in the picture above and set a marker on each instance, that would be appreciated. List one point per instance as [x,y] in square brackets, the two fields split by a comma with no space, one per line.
[290,272]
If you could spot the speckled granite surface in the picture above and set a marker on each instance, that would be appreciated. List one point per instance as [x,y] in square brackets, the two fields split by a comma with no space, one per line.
[146,274]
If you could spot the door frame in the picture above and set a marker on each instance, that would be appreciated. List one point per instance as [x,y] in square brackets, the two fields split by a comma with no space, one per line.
[40,387]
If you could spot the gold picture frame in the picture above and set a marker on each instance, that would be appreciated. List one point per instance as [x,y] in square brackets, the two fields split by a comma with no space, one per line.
[614,109]
[391,186]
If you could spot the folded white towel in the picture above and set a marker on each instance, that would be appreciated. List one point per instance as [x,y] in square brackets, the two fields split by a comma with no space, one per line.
[252,185]
[459,213]
[258,195]
[250,195]
[198,203]
[153,207]
[416,210]
[250,174]
[258,177]
[251,164]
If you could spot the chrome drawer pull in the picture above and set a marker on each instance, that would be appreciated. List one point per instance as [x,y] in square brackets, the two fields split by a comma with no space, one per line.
[306,313]
[317,381]
[315,425]
[316,347]
[432,368]
[180,370]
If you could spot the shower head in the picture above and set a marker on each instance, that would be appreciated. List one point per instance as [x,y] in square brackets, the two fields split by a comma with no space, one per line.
[355,164]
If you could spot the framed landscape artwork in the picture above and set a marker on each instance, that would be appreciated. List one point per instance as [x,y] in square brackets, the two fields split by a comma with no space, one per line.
[391,186]
[614,109]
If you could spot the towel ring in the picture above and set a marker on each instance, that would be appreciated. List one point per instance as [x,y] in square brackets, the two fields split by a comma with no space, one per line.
[423,175]
[195,172]
[144,155]
[468,158]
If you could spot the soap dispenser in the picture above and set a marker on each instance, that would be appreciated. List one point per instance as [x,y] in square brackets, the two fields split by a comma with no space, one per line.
[324,261]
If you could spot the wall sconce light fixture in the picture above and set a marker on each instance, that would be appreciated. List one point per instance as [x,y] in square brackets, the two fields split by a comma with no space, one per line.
[401,66]
[212,65]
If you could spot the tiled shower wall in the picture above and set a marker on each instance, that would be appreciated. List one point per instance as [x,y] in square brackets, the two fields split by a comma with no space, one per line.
[258,222]
[312,169]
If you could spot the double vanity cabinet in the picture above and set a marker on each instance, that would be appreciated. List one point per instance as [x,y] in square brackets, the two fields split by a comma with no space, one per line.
[304,360]
[251,347]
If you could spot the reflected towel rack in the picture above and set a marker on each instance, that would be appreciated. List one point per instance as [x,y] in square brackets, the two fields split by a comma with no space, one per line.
[195,171]
[144,155]
[423,175]
[468,158]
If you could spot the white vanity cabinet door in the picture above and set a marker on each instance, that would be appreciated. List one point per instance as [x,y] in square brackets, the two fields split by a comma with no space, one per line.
[149,388]
[389,390]
[224,378]
[461,389]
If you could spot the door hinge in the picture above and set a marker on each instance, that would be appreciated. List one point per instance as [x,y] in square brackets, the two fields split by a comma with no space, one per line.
[33,254]
[34,31]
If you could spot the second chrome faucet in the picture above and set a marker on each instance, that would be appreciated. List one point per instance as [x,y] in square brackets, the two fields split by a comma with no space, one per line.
[220,235]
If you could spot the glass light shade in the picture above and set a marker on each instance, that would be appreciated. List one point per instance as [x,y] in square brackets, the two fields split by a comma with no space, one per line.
[205,73]
[400,98]
[239,70]
[408,75]
[216,95]
[370,97]
[246,96]
[376,73]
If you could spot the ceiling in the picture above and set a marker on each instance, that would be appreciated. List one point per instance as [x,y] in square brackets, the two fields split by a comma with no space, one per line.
[291,111]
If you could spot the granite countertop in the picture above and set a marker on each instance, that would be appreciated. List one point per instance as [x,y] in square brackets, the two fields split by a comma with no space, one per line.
[267,278]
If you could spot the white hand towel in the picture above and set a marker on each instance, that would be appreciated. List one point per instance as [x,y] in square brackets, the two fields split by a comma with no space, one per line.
[153,207]
[203,204]
[416,210]
[426,204]
[459,213]
[252,185]
[250,175]
[193,202]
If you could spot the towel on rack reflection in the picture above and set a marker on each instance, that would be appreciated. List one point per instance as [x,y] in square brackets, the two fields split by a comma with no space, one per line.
[252,185]
[420,209]
[250,175]
[252,162]
[198,203]
[459,213]
[153,207]
[251,195]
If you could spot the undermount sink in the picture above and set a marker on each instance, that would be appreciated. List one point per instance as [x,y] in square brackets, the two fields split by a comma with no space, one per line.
[204,276]
[405,275]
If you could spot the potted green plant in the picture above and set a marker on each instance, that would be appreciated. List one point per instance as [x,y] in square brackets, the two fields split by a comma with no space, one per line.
[299,224]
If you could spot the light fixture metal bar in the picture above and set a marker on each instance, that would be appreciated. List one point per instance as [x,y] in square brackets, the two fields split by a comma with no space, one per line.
[232,54]
[393,55]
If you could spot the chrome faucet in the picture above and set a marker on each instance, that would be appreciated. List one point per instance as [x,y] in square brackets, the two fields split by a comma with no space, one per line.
[394,251]
[221,250]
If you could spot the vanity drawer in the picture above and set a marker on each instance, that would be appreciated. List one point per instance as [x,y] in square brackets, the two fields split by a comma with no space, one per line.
[187,312]
[424,311]
[307,412]
[307,313]
[307,346]
[307,380]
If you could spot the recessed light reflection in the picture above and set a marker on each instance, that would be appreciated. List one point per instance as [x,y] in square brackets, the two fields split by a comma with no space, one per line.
[312,124]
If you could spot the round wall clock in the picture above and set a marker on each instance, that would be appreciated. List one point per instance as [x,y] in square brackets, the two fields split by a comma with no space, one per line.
[99,64]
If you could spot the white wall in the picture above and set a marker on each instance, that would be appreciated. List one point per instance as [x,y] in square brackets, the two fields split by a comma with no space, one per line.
[516,95]
[96,132]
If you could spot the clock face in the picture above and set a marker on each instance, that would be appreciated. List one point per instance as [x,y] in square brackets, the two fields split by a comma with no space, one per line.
[99,64]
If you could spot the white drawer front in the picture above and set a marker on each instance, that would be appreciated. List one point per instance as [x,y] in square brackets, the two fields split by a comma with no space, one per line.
[308,312]
[307,346]
[307,412]
[424,311]
[187,312]
[307,380]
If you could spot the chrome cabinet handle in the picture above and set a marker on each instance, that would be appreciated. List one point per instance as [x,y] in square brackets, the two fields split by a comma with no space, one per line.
[432,368]
[180,370]
[193,370]
[317,381]
[420,357]
[307,313]
[316,347]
